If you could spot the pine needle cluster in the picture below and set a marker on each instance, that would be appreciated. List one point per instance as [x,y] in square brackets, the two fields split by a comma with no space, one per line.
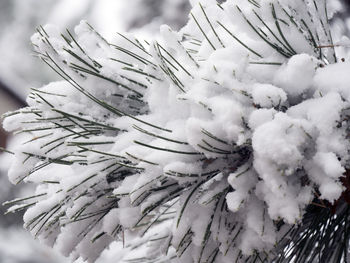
[206,145]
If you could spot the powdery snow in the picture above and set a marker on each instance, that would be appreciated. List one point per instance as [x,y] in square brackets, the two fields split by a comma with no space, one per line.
[211,130]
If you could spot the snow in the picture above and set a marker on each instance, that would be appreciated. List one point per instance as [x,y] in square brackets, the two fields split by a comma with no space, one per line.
[261,116]
[21,18]
[326,81]
[209,130]
[296,77]
[268,96]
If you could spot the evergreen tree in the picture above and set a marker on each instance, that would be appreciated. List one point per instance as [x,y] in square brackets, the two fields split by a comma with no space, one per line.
[224,142]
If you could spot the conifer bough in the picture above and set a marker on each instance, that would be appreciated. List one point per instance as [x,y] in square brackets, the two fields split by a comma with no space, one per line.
[224,142]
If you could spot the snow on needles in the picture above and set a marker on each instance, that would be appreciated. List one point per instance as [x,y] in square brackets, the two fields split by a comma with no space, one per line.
[219,132]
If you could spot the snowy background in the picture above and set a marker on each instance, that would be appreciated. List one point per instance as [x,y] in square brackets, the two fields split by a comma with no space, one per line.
[20,70]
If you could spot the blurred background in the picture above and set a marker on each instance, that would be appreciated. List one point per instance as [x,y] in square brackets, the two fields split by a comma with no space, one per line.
[20,71]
